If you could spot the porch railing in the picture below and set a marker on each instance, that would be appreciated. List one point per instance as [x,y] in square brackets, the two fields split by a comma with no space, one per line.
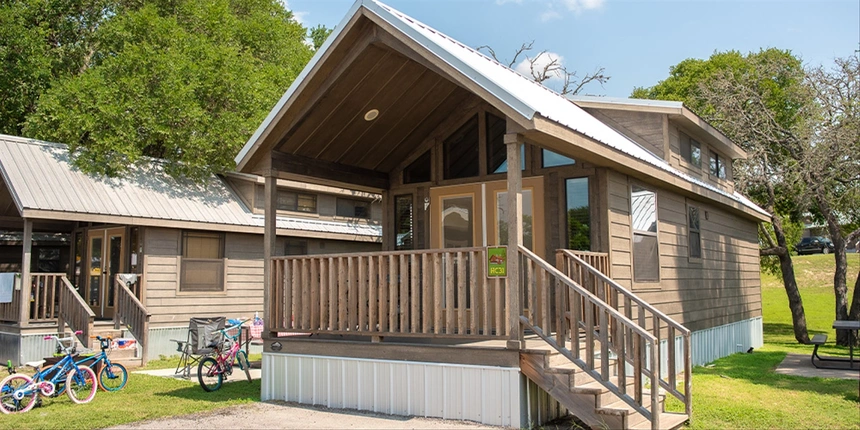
[11,311]
[565,312]
[404,293]
[133,313]
[74,311]
[646,315]
[44,300]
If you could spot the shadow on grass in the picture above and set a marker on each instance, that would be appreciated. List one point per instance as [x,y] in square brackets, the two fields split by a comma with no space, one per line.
[758,368]
[782,335]
[230,391]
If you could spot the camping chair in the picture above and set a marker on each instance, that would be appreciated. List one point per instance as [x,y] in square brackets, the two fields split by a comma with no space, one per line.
[201,333]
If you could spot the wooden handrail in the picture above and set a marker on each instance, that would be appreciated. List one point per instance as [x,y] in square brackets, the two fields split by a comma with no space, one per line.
[563,311]
[578,269]
[428,293]
[133,313]
[75,312]
[11,311]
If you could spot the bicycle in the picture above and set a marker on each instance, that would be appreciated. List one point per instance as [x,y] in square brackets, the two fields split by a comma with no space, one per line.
[19,393]
[211,370]
[111,376]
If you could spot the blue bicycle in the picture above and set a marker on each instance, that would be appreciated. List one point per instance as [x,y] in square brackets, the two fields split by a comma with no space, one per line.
[112,376]
[19,393]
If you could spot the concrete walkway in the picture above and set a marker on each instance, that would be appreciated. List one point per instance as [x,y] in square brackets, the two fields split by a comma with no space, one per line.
[801,365]
[238,374]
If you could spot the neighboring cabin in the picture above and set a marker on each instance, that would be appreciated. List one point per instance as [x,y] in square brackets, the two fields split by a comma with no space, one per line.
[632,200]
[196,247]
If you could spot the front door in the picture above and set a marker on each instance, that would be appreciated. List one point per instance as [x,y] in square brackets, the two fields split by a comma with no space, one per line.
[105,259]
[475,215]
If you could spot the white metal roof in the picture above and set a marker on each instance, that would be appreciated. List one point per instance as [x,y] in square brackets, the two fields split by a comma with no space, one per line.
[521,94]
[40,177]
[627,102]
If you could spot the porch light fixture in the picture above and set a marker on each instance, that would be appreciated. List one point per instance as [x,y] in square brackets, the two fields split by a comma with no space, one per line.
[371,115]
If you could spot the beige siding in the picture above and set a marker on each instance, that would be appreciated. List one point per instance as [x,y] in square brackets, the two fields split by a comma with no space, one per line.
[723,286]
[644,128]
[243,294]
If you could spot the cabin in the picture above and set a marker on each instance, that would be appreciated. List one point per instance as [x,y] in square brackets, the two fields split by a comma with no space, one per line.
[540,255]
[192,249]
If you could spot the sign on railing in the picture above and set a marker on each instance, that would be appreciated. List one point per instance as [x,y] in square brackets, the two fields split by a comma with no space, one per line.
[497,262]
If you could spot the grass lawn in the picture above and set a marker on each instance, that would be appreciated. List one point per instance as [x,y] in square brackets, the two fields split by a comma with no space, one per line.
[743,391]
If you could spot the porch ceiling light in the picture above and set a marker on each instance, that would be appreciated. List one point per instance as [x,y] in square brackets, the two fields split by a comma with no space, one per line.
[371,115]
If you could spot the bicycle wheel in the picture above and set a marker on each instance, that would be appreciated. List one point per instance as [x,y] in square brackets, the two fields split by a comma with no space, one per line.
[26,397]
[242,358]
[81,384]
[113,377]
[209,374]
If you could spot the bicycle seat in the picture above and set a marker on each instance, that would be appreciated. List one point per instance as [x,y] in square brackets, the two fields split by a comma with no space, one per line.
[35,364]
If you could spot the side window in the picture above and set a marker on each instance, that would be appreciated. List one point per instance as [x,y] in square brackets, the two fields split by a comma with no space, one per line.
[460,152]
[296,247]
[353,208]
[287,201]
[694,232]
[717,166]
[691,150]
[403,222]
[646,258]
[202,267]
[578,214]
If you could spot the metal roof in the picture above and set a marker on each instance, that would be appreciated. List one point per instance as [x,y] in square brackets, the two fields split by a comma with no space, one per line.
[627,102]
[520,93]
[40,177]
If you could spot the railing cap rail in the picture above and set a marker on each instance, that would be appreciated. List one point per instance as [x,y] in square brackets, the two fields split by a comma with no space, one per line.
[380,253]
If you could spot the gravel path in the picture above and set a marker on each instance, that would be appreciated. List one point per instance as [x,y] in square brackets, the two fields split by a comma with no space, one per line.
[270,415]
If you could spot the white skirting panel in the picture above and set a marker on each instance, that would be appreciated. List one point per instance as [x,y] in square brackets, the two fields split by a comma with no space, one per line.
[485,394]
[717,342]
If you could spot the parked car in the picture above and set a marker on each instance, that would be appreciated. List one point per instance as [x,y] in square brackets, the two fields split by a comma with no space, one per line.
[814,245]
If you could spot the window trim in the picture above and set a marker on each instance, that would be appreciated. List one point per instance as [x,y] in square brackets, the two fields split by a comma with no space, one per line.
[690,257]
[648,283]
[682,137]
[297,193]
[182,260]
[720,160]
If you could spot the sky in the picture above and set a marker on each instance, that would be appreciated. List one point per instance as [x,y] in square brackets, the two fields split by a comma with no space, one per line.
[636,42]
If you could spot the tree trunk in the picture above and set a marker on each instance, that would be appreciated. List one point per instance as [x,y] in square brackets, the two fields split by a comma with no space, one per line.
[840,287]
[854,313]
[795,303]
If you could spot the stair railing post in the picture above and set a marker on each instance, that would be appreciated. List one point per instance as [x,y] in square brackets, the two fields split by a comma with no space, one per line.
[514,142]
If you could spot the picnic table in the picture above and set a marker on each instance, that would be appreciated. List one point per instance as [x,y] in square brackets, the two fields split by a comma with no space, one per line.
[853,326]
[820,339]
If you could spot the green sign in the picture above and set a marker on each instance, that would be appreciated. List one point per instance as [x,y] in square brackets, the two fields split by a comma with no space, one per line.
[497,262]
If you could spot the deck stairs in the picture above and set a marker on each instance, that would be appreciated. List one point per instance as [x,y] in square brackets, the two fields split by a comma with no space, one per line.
[598,349]
[129,357]
[586,398]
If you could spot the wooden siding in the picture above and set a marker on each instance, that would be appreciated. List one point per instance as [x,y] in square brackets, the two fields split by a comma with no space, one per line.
[700,172]
[722,287]
[644,128]
[243,293]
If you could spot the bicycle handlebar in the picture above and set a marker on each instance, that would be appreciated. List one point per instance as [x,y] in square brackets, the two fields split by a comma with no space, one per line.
[60,340]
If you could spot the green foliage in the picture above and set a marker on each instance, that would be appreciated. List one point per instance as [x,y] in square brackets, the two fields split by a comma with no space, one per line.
[187,81]
[318,35]
[793,230]
[578,229]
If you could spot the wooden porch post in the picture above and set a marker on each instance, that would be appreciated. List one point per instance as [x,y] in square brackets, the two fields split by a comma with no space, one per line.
[26,256]
[513,142]
[269,243]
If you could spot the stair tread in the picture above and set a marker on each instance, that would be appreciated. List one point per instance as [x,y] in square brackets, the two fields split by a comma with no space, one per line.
[668,420]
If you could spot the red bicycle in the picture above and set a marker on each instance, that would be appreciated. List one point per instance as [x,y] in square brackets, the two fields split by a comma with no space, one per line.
[211,370]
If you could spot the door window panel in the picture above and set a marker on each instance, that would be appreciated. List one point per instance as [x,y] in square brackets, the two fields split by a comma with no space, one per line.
[502,217]
[578,214]
[95,271]
[457,220]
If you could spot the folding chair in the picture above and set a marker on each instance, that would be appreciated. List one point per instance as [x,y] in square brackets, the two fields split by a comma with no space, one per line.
[201,333]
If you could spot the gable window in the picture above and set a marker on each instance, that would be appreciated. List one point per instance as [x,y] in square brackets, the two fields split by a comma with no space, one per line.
[460,152]
[202,267]
[353,208]
[552,159]
[288,201]
[497,150]
[691,150]
[694,232]
[643,210]
[403,222]
[419,170]
[718,166]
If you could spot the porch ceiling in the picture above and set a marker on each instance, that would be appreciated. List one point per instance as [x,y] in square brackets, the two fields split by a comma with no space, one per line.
[412,100]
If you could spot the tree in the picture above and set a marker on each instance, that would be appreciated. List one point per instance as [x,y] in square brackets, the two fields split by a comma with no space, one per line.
[545,66]
[187,81]
[41,41]
[756,100]
[318,35]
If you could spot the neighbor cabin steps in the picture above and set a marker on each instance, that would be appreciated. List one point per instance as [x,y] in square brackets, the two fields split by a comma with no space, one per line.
[128,357]
[586,398]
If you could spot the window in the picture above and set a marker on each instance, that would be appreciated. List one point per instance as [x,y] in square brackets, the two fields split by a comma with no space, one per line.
[646,259]
[296,247]
[287,201]
[552,159]
[694,233]
[202,267]
[418,171]
[578,215]
[718,166]
[691,150]
[460,152]
[403,222]
[353,208]
[502,219]
[48,260]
